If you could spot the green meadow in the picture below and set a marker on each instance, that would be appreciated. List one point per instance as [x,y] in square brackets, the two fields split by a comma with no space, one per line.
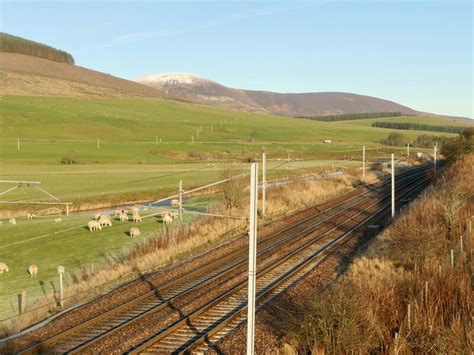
[138,149]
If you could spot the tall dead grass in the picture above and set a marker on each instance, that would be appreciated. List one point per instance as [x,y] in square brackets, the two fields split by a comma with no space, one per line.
[403,295]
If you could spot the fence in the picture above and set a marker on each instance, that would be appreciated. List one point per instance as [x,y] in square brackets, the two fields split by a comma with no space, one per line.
[459,256]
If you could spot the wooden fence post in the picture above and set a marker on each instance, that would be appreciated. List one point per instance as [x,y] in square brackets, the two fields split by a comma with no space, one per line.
[23,302]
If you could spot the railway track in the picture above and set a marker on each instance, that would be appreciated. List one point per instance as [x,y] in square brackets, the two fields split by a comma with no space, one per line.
[304,244]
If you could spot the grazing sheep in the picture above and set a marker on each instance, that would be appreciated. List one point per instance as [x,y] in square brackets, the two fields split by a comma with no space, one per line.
[3,267]
[33,270]
[58,220]
[12,221]
[165,213]
[105,217]
[97,216]
[117,212]
[30,216]
[167,219]
[174,202]
[94,226]
[134,232]
[136,218]
[123,217]
[174,214]
[105,222]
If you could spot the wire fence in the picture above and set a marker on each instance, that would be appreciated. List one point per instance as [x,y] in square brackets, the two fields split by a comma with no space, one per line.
[460,255]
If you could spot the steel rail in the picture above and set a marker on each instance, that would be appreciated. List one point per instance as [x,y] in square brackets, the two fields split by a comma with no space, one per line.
[57,338]
[184,321]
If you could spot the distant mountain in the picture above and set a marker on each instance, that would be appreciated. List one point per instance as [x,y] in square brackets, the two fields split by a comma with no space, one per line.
[201,90]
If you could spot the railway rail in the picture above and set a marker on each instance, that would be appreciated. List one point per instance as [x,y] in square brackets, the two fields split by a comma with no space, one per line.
[302,246]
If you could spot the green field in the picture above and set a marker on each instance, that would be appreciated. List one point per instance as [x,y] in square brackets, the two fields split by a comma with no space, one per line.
[130,165]
[48,244]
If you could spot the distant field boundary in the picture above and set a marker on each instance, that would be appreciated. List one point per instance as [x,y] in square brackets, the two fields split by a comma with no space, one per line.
[418,127]
[354,116]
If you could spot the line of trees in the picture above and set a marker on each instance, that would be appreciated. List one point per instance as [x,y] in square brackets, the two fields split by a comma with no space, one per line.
[417,127]
[352,116]
[396,139]
[14,44]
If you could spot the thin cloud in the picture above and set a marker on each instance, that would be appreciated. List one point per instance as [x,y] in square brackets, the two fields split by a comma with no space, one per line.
[134,37]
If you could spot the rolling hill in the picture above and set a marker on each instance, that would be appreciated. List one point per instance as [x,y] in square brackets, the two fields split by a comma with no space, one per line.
[192,88]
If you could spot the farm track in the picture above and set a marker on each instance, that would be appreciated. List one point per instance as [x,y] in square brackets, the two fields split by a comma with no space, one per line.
[213,296]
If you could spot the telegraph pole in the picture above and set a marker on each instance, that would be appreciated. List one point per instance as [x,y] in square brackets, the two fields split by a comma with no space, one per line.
[435,151]
[408,153]
[264,183]
[252,258]
[363,162]
[393,187]
[181,199]
[61,289]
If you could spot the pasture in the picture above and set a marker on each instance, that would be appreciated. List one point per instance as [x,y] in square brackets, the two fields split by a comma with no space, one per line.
[47,244]
[145,146]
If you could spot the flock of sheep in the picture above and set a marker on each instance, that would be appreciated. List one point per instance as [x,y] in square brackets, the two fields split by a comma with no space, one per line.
[32,269]
[104,220]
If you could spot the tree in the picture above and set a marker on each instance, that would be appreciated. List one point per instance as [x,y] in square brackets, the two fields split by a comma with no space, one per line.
[234,189]
[462,144]
[394,139]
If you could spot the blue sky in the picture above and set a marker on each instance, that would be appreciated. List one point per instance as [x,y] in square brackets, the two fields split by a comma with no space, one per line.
[417,53]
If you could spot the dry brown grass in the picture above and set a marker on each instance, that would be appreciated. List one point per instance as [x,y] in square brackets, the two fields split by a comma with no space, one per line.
[409,265]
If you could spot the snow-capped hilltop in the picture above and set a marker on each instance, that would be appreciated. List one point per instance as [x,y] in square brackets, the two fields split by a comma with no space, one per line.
[175,78]
[193,88]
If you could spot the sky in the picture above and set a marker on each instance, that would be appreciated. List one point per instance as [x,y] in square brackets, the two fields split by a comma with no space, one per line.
[416,53]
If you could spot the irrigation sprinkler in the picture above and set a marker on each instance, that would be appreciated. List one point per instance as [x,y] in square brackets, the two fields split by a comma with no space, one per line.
[252,258]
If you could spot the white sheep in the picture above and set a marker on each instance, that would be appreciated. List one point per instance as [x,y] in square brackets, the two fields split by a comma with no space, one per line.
[174,214]
[134,232]
[33,270]
[58,220]
[165,213]
[30,216]
[94,225]
[97,216]
[174,202]
[136,218]
[123,217]
[105,222]
[167,219]
[3,267]
[12,221]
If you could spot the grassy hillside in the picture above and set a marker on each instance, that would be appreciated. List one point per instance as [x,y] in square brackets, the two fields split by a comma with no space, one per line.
[131,162]
[14,44]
